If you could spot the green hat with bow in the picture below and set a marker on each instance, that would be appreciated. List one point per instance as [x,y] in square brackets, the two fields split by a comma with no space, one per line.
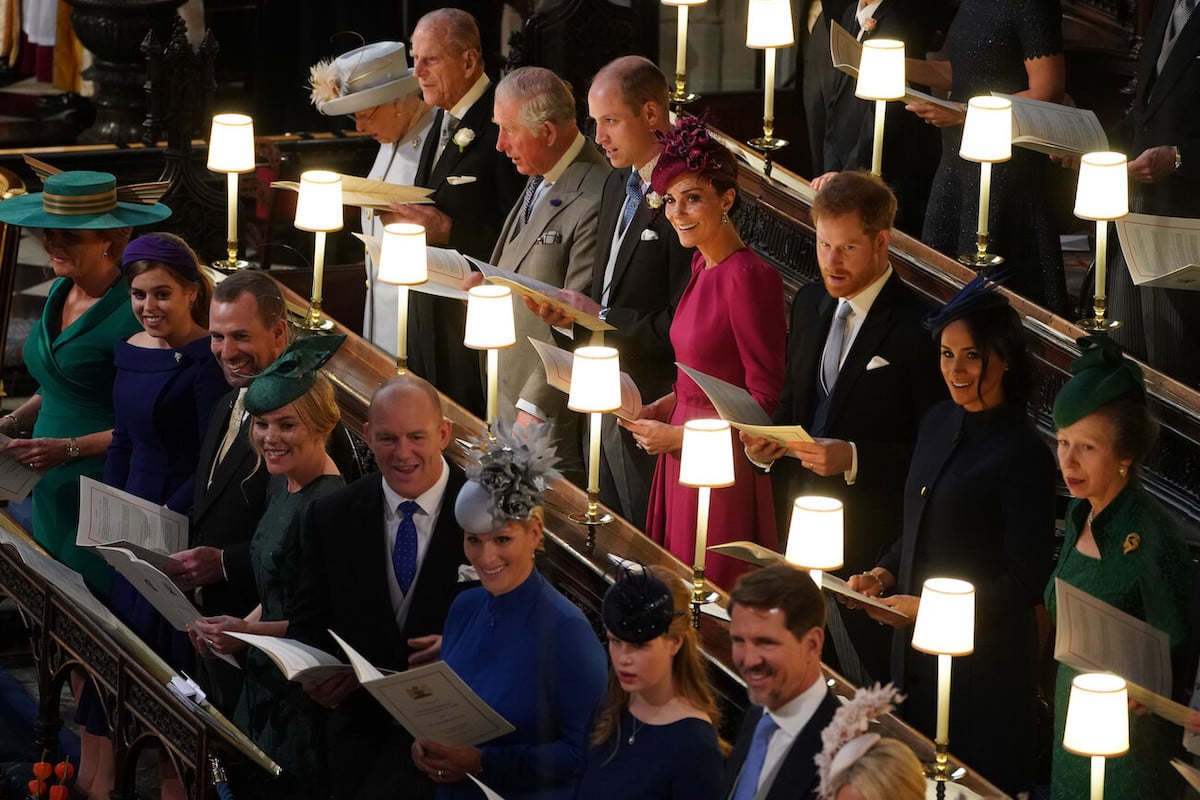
[1099,376]
[292,374]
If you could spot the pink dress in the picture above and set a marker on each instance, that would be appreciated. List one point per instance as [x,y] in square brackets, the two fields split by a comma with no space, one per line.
[731,324]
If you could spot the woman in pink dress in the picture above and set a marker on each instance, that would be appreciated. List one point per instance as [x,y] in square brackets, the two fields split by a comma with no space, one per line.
[730,323]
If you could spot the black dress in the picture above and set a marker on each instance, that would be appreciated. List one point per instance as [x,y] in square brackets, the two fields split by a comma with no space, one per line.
[979,505]
[988,44]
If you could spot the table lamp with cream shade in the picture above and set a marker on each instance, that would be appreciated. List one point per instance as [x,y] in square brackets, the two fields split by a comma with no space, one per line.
[1102,195]
[231,151]
[706,463]
[402,263]
[880,78]
[1097,724]
[490,327]
[769,27]
[945,627]
[681,96]
[816,535]
[986,140]
[595,391]
[319,209]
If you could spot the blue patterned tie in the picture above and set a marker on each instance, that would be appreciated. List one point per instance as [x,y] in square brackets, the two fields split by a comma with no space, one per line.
[747,785]
[404,552]
[633,190]
[530,194]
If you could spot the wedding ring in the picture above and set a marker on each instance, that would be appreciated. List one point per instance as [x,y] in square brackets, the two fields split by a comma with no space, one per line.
[441,774]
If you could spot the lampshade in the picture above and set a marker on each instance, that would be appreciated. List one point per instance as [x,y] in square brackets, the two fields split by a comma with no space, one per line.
[881,70]
[987,133]
[1103,191]
[489,318]
[684,2]
[231,143]
[946,618]
[707,456]
[595,380]
[769,24]
[319,207]
[1097,716]
[816,533]
[402,256]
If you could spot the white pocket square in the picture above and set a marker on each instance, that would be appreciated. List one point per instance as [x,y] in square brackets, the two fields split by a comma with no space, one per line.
[459,180]
[876,362]
[649,236]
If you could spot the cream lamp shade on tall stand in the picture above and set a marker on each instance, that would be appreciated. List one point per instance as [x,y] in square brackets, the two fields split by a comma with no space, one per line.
[1097,723]
[945,627]
[402,263]
[986,140]
[1102,195]
[595,391]
[706,463]
[880,78]
[769,27]
[816,535]
[681,96]
[231,151]
[490,327]
[318,209]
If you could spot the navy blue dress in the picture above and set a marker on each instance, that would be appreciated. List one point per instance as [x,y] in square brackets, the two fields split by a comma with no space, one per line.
[679,761]
[531,655]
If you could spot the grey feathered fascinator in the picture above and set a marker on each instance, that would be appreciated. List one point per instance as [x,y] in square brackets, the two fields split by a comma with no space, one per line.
[508,478]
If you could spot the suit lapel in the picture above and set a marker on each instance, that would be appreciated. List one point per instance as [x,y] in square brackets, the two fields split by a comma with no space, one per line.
[1186,47]
[872,333]
[808,359]
[557,200]
[217,426]
[478,115]
[797,775]
[425,164]
[611,205]
[641,221]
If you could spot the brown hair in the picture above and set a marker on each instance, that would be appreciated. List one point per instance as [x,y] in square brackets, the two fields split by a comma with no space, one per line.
[787,588]
[640,81]
[688,676]
[203,284]
[858,193]
[888,771]
[268,297]
[1134,429]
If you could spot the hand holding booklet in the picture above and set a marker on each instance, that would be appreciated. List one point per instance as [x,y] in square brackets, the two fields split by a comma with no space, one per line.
[737,407]
[558,364]
[539,291]
[109,516]
[846,53]
[16,479]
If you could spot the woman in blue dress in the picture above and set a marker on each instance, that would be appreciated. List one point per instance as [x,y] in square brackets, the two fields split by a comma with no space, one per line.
[654,737]
[519,644]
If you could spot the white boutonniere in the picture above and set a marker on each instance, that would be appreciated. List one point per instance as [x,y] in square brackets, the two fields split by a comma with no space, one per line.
[653,200]
[463,137]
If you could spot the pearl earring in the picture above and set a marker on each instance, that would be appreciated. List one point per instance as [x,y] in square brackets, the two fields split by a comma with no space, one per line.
[724,217]
[1123,470]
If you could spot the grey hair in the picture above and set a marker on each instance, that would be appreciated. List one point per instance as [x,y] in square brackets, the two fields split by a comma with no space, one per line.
[544,96]
[456,26]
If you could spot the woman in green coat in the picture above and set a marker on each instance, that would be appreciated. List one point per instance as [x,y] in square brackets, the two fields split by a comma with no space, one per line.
[1121,547]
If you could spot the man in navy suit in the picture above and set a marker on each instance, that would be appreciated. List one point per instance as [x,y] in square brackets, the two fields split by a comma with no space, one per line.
[352,582]
[861,372]
[777,625]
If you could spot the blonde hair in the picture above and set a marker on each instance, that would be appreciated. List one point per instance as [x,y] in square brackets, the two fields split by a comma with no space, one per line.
[888,771]
[316,409]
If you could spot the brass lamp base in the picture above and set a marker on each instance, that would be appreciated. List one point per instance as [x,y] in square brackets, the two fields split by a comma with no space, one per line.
[981,257]
[699,596]
[940,770]
[592,518]
[313,321]
[768,144]
[1098,323]
[681,96]
[230,265]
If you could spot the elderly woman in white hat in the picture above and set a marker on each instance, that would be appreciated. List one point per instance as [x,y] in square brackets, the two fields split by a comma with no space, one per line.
[375,85]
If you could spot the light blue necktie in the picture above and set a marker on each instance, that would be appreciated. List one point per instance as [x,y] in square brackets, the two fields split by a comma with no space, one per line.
[747,785]
[831,360]
[633,191]
[404,552]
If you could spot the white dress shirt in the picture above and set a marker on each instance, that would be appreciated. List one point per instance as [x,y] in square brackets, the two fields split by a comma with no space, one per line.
[426,519]
[791,717]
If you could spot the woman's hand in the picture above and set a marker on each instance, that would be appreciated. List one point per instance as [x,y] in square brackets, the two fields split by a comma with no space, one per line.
[445,764]
[660,410]
[906,604]
[938,115]
[42,453]
[212,630]
[655,437]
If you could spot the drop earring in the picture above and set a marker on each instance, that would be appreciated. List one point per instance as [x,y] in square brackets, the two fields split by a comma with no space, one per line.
[724,217]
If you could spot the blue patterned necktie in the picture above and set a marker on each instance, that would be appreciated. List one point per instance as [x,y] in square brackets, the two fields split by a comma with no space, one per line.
[831,361]
[530,194]
[633,191]
[747,785]
[404,552]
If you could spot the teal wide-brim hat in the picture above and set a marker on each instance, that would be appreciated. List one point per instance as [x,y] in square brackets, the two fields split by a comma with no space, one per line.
[1099,376]
[79,200]
[292,374]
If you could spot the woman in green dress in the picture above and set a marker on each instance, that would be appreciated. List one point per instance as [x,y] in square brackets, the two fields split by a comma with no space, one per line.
[1121,547]
[294,412]
[69,352]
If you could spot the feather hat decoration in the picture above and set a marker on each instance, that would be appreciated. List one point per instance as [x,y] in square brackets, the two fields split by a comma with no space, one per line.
[846,738]
[508,478]
[979,294]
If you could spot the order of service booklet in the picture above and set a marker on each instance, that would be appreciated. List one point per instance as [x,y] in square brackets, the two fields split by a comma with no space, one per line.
[559,363]
[737,407]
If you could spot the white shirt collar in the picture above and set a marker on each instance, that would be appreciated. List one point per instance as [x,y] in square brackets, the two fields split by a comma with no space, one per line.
[555,172]
[866,11]
[645,171]
[792,716]
[460,109]
[429,501]
[861,303]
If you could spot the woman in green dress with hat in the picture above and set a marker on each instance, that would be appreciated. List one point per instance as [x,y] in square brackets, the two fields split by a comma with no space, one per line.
[1121,547]
[293,412]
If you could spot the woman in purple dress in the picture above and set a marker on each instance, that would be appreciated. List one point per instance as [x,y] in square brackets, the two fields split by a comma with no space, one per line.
[730,323]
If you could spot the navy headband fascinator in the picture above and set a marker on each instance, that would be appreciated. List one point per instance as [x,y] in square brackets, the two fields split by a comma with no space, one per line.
[508,478]
[638,607]
[161,250]
[979,294]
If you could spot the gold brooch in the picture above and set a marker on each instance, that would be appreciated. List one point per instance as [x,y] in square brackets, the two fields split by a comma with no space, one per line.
[1132,542]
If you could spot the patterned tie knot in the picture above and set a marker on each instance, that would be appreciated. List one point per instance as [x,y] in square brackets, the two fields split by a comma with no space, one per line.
[409,508]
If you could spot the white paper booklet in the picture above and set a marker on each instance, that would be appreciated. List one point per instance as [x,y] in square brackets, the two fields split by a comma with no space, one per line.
[846,53]
[447,268]
[370,192]
[113,517]
[737,407]
[1054,129]
[558,364]
[296,660]
[16,479]
[1163,252]
[540,291]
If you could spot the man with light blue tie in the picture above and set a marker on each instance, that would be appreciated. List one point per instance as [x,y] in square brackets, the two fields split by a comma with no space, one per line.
[380,566]
[778,629]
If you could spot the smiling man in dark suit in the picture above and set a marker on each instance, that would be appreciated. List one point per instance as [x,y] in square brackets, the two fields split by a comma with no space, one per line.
[640,269]
[777,626]
[861,372]
[474,186]
[380,566]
